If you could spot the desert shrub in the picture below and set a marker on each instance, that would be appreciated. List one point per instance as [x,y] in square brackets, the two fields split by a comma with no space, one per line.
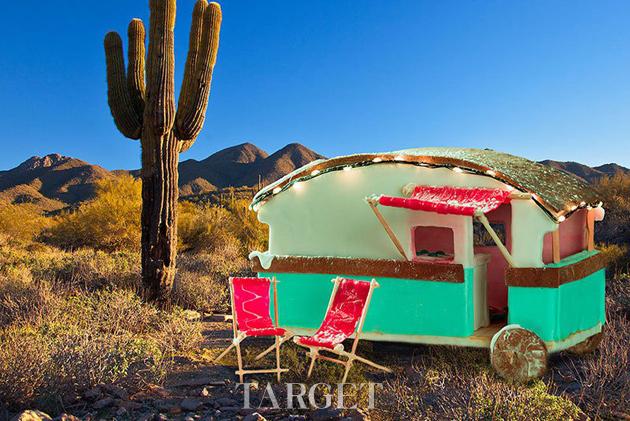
[615,228]
[109,222]
[21,223]
[204,227]
[201,280]
[244,223]
[24,301]
[102,337]
[84,268]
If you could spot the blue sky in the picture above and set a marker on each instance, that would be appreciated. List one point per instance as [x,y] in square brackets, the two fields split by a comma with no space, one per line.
[541,79]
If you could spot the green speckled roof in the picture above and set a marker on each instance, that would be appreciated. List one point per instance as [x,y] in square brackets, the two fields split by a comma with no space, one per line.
[556,191]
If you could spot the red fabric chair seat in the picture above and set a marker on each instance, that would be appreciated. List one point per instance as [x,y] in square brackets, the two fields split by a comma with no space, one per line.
[251,307]
[342,317]
[267,331]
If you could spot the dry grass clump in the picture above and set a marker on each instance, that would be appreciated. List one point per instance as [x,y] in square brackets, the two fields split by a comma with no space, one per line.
[102,337]
[455,383]
[84,268]
[201,280]
[71,320]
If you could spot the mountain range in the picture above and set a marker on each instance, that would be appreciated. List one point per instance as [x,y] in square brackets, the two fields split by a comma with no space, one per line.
[54,181]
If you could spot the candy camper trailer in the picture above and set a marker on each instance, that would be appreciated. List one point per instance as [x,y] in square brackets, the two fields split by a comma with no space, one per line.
[470,247]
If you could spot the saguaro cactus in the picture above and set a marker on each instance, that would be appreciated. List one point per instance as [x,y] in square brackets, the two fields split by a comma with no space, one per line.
[148,113]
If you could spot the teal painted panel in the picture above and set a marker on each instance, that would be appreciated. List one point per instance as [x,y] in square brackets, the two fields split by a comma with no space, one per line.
[555,313]
[534,309]
[582,304]
[399,306]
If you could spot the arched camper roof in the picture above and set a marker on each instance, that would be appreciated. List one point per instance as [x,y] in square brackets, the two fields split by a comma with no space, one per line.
[556,191]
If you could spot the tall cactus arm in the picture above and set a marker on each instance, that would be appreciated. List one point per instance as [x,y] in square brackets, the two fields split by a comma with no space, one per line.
[120,103]
[190,70]
[190,120]
[135,66]
[159,112]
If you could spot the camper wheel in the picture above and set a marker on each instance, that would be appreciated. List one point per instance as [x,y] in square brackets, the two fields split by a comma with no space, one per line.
[518,354]
[588,345]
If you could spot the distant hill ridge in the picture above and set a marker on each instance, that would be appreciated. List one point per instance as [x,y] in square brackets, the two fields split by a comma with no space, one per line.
[590,174]
[54,181]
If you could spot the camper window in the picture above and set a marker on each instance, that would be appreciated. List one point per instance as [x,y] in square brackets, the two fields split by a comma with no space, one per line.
[481,237]
[433,243]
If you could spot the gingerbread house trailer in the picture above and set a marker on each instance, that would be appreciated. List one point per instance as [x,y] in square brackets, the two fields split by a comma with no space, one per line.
[470,247]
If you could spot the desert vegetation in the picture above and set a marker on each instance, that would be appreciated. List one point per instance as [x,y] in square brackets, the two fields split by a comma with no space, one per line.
[71,319]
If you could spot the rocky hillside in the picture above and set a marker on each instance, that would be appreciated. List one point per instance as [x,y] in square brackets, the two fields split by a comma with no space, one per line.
[589,174]
[54,181]
[51,182]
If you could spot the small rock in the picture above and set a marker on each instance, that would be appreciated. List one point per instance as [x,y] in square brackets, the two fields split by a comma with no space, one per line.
[32,415]
[103,403]
[175,410]
[121,412]
[160,417]
[129,405]
[204,392]
[225,402]
[326,414]
[190,404]
[93,394]
[117,391]
[254,417]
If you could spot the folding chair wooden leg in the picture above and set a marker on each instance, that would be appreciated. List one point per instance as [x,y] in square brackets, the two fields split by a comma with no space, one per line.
[368,362]
[314,354]
[278,357]
[348,365]
[285,338]
[224,353]
[239,358]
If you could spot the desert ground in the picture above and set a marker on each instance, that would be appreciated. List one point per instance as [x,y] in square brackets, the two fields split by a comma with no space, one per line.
[78,342]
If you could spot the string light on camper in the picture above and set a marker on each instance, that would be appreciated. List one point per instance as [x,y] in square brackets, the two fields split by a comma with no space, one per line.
[315,172]
[561,218]
[277,190]
[491,173]
[347,168]
[377,160]
[399,158]
[457,170]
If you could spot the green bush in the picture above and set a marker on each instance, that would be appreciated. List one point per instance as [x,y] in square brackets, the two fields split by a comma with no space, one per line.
[109,222]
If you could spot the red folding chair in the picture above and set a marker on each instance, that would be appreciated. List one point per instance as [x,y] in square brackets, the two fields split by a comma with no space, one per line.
[345,315]
[251,317]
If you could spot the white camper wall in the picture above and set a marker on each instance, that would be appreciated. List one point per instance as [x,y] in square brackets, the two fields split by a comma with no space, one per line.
[327,215]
